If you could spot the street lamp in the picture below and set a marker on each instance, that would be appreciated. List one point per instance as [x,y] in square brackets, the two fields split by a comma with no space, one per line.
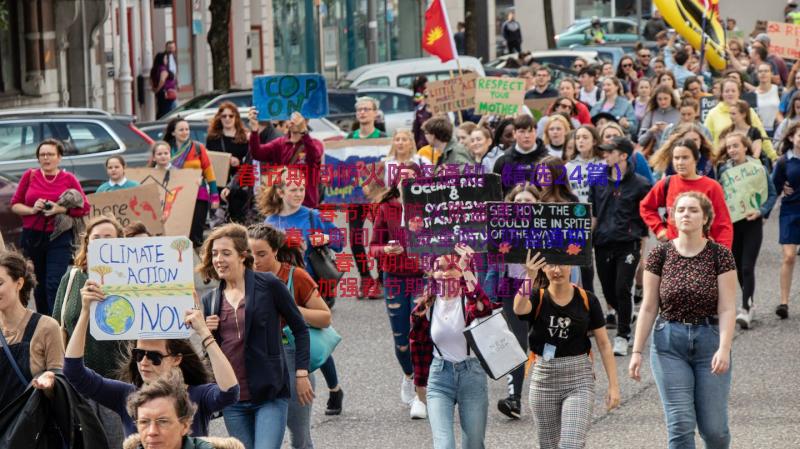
[124,79]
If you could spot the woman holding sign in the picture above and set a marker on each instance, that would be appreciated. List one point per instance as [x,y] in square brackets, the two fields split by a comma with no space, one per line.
[443,365]
[186,153]
[560,316]
[748,230]
[245,316]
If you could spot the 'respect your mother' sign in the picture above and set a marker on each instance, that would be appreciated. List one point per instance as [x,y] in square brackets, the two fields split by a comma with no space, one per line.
[561,232]
[148,283]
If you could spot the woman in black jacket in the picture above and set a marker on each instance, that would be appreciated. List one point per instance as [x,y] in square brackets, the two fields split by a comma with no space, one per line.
[245,313]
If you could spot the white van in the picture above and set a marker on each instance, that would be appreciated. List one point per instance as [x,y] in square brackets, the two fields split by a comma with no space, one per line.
[402,73]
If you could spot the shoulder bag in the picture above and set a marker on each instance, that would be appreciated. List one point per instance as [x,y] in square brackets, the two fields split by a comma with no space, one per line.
[64,302]
[321,257]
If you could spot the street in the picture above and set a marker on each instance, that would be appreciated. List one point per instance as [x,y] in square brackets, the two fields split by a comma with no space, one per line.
[764,403]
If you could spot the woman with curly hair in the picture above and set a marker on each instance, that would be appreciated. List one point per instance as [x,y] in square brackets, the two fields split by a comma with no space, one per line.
[661,161]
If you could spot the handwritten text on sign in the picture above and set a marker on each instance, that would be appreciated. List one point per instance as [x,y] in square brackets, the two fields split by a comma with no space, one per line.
[140,203]
[499,96]
[440,212]
[784,39]
[278,96]
[348,160]
[451,95]
[148,283]
[745,188]
[561,232]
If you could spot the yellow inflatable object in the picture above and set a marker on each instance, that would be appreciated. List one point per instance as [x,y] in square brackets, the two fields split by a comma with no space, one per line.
[686,17]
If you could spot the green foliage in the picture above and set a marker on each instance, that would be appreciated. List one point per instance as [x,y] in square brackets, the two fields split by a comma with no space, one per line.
[4,21]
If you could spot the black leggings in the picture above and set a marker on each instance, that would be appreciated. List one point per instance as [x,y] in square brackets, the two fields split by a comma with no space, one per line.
[198,223]
[616,269]
[747,237]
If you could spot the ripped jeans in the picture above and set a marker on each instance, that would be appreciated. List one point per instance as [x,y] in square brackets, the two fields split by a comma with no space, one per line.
[398,306]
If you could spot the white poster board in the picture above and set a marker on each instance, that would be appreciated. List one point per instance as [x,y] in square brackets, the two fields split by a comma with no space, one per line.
[148,284]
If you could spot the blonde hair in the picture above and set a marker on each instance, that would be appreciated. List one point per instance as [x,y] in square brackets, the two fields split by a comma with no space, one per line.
[410,135]
[661,159]
[552,119]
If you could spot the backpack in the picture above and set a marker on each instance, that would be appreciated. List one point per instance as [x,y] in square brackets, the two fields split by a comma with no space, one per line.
[532,355]
[666,194]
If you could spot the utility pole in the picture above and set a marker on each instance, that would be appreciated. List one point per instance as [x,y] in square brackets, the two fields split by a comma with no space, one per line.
[148,112]
[372,31]
[124,78]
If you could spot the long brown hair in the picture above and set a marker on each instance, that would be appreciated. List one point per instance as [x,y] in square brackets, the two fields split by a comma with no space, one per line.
[269,202]
[662,159]
[215,127]
[276,239]
[238,235]
[722,153]
[557,190]
[194,369]
[17,266]
[81,255]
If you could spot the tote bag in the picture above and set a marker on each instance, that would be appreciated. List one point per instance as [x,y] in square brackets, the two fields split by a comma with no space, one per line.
[495,345]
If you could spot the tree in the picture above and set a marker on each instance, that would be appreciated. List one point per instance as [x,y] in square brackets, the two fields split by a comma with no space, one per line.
[102,270]
[180,245]
[549,29]
[219,44]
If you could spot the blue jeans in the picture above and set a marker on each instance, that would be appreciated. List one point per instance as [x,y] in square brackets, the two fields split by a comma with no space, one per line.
[299,416]
[462,384]
[692,396]
[258,426]
[399,302]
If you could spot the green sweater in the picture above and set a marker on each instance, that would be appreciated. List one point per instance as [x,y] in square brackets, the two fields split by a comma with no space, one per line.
[101,356]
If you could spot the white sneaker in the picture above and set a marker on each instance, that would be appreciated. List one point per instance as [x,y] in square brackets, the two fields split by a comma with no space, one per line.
[407,391]
[418,409]
[744,318]
[620,346]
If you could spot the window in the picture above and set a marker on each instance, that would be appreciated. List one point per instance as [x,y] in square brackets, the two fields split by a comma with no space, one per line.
[391,103]
[18,141]
[83,138]
[623,28]
[341,102]
[240,100]
[382,81]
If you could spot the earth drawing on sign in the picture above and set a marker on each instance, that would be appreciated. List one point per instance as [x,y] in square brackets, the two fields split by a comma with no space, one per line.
[115,315]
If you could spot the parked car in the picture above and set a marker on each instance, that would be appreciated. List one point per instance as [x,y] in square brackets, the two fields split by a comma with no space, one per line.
[616,30]
[90,136]
[10,223]
[614,52]
[403,72]
[563,58]
[211,100]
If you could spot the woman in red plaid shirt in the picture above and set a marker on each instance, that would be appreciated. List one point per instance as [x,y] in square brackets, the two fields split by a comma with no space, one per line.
[443,364]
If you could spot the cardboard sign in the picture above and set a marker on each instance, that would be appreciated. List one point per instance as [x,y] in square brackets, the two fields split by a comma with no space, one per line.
[222,166]
[277,96]
[706,105]
[451,95]
[148,284]
[351,164]
[745,188]
[539,106]
[499,96]
[140,203]
[784,39]
[177,190]
[440,212]
[561,232]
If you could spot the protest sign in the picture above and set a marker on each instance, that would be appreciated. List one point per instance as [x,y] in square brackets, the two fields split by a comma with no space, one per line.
[499,96]
[561,232]
[141,203]
[177,190]
[706,105]
[222,166]
[451,95]
[538,106]
[745,188]
[148,284]
[351,164]
[277,96]
[440,212]
[784,40]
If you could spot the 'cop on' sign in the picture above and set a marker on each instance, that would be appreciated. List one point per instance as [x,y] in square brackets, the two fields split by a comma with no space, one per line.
[277,96]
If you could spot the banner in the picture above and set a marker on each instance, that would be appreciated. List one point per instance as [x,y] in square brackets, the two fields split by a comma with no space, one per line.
[784,40]
[561,232]
[440,212]
[706,105]
[148,283]
[351,164]
[451,95]
[177,190]
[222,167]
[499,96]
[745,188]
[141,203]
[277,96]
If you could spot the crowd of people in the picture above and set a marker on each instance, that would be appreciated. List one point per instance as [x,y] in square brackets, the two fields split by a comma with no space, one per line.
[637,127]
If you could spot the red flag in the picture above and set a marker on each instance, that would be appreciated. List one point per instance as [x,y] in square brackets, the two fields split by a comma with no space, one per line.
[437,38]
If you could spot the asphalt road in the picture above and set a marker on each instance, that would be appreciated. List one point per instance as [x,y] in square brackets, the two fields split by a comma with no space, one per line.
[764,403]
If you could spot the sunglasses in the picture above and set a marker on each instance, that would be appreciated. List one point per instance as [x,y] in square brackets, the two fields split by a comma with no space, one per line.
[227,115]
[153,356]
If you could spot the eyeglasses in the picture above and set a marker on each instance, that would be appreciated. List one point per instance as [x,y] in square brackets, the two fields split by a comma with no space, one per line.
[366,109]
[161,423]
[227,115]
[153,356]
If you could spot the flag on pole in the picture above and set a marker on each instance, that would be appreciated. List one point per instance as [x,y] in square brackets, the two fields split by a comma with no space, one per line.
[436,37]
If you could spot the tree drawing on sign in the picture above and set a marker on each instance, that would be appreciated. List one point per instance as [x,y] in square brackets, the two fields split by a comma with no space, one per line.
[102,270]
[180,246]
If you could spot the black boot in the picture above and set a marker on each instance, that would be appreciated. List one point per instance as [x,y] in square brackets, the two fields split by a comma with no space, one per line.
[335,402]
